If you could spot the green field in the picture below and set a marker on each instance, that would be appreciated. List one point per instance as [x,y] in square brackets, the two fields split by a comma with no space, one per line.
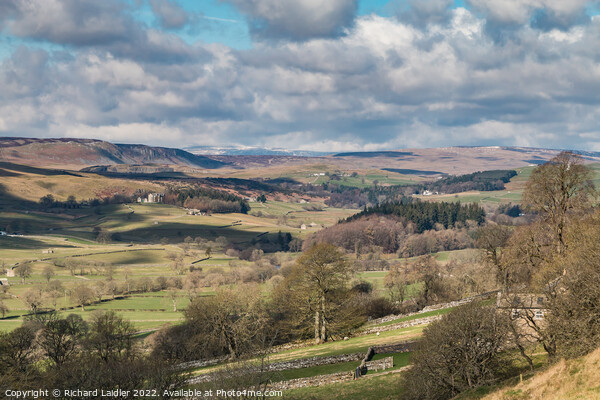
[150,235]
[400,360]
[387,386]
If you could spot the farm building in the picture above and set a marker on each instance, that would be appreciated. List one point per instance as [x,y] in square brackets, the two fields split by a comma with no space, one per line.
[152,198]
[522,304]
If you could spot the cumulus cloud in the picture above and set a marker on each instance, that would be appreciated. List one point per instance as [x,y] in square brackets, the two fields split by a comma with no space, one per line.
[298,19]
[387,83]
[169,13]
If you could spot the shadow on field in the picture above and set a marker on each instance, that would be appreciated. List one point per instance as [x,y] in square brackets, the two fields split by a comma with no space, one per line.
[24,243]
[176,233]
[8,201]
[33,170]
[134,257]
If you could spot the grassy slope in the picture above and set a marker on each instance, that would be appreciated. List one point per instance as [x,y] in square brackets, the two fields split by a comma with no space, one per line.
[512,193]
[31,185]
[566,380]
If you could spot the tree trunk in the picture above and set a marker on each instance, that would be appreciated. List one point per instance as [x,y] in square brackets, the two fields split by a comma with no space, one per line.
[521,348]
[323,321]
[317,323]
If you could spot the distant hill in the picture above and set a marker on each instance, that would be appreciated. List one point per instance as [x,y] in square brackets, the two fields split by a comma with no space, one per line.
[449,160]
[77,153]
[373,154]
[251,151]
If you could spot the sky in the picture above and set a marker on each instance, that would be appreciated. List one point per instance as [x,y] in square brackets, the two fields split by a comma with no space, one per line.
[335,75]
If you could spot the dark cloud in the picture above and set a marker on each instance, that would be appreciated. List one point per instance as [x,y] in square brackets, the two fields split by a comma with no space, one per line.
[25,74]
[105,25]
[169,13]
[548,19]
[73,22]
[298,19]
[426,12]
[542,14]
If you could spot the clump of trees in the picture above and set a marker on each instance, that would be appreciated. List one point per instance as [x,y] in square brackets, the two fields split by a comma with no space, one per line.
[481,181]
[48,201]
[206,200]
[391,234]
[318,297]
[551,259]
[50,351]
[425,281]
[314,297]
[234,322]
[425,215]
[549,276]
[343,196]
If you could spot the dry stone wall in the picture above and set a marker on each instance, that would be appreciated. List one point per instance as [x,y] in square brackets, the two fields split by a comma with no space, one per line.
[283,366]
[400,325]
[383,364]
[385,349]
[313,381]
[434,307]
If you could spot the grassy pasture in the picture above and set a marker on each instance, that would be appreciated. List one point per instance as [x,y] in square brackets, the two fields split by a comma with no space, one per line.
[353,345]
[141,253]
[382,387]
[144,312]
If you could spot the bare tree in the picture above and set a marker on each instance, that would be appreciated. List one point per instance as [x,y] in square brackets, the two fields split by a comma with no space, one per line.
[24,271]
[317,284]
[558,187]
[396,283]
[231,322]
[173,295]
[104,237]
[3,308]
[33,299]
[111,337]
[60,338]
[82,295]
[459,352]
[48,272]
[492,238]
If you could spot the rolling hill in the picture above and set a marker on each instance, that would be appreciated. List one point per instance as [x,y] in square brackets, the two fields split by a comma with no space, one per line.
[418,162]
[78,153]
